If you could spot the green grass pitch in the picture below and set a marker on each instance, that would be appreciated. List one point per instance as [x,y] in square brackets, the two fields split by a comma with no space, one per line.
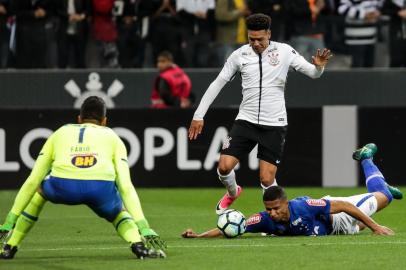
[72,237]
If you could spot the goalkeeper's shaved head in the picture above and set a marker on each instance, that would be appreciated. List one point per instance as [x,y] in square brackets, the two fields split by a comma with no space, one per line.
[93,109]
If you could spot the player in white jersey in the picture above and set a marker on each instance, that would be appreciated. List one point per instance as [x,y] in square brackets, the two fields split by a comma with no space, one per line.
[263,65]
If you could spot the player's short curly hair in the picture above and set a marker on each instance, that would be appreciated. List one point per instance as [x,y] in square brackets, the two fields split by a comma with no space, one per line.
[274,193]
[93,107]
[258,22]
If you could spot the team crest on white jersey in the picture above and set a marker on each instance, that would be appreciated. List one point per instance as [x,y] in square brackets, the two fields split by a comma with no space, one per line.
[226,143]
[273,58]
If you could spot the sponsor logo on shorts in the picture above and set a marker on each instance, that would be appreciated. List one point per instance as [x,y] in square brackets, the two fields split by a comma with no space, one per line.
[255,219]
[314,202]
[84,161]
[226,143]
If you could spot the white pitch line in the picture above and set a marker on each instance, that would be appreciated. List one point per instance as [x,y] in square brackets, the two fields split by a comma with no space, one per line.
[228,246]
[96,217]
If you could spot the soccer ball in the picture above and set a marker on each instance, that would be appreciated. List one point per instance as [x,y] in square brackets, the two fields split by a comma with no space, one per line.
[231,223]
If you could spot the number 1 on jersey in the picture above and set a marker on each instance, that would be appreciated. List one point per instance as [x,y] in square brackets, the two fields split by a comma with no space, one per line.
[81,134]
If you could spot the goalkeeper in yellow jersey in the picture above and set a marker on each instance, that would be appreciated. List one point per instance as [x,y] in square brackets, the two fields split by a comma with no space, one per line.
[86,163]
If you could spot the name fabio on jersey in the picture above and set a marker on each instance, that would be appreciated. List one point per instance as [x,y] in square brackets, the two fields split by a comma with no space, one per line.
[255,219]
[316,202]
[84,161]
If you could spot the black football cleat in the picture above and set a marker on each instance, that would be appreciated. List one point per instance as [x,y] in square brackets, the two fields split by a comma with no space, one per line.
[142,252]
[8,252]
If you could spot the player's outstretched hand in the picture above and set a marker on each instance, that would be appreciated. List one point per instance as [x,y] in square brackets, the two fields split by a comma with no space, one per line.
[4,231]
[382,230]
[321,58]
[195,129]
[152,239]
[155,242]
[189,233]
[8,225]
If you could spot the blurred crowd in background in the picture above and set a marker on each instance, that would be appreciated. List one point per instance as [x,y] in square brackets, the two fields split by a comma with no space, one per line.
[198,33]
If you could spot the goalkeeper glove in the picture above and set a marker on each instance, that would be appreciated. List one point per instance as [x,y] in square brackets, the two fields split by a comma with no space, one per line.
[152,239]
[8,225]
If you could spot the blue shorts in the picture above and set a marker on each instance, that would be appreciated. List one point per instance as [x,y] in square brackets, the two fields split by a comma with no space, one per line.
[101,196]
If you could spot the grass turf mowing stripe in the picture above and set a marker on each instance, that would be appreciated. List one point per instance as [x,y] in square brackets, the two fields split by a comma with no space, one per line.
[73,238]
[231,245]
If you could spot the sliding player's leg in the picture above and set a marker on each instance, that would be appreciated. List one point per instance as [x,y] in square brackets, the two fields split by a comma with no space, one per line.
[376,184]
[377,198]
[25,222]
[373,177]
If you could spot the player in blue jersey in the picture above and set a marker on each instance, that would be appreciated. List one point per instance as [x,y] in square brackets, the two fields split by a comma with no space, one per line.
[325,216]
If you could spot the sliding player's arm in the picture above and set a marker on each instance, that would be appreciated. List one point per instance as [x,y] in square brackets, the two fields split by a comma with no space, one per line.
[350,209]
[41,168]
[130,197]
[255,224]
[189,233]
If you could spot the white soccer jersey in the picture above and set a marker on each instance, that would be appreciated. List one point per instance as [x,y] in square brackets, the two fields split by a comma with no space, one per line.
[263,82]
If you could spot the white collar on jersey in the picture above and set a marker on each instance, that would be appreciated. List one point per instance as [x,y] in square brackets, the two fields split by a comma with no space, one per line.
[271,47]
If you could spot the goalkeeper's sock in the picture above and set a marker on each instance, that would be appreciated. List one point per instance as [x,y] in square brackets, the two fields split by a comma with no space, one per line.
[126,227]
[229,182]
[143,227]
[10,221]
[374,179]
[27,220]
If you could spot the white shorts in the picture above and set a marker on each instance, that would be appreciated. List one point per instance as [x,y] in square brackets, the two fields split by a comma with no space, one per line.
[346,224]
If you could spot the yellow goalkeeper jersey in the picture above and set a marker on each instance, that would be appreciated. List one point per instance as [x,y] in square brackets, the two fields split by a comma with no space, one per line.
[84,152]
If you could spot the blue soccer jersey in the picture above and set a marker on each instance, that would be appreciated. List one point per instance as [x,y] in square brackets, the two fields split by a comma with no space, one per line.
[263,223]
[309,216]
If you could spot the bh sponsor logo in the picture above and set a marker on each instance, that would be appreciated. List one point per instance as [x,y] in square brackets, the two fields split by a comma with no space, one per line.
[84,161]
